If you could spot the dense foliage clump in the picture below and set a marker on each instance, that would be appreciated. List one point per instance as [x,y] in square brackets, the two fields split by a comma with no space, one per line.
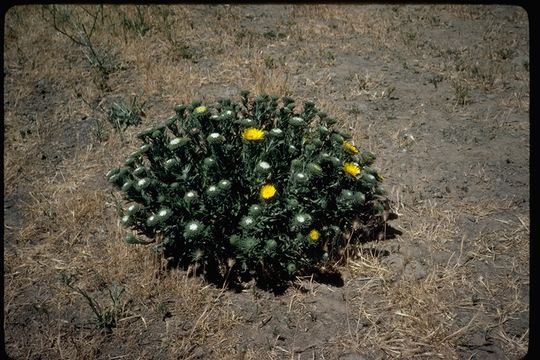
[260,188]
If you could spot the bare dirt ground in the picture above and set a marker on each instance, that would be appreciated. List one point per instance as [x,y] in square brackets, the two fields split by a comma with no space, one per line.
[439,93]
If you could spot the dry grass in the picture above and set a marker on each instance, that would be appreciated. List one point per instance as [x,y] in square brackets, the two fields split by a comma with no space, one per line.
[459,271]
[436,315]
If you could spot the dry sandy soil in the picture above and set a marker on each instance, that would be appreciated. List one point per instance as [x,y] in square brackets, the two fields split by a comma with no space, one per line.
[439,93]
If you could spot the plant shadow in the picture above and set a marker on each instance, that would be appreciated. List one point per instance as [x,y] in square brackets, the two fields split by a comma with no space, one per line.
[277,282]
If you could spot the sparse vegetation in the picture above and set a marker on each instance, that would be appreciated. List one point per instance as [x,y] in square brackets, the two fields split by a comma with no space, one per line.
[79,26]
[448,279]
[138,22]
[462,96]
[106,318]
[121,116]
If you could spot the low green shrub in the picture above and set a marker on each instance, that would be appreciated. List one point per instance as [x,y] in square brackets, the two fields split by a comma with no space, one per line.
[258,188]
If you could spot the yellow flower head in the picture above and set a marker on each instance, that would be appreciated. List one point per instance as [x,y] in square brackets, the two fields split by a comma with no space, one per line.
[268,191]
[352,169]
[253,134]
[314,235]
[200,109]
[350,147]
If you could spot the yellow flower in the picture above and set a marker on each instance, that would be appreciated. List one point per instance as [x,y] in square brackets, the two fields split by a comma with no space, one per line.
[314,235]
[352,169]
[350,147]
[253,134]
[268,191]
[200,109]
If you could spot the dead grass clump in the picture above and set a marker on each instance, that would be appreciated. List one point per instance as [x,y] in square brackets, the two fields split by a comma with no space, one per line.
[268,81]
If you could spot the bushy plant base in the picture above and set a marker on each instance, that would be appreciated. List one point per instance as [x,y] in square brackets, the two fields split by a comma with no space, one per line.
[259,188]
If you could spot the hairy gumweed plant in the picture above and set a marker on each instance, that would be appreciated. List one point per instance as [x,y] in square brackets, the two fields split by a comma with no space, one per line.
[258,188]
